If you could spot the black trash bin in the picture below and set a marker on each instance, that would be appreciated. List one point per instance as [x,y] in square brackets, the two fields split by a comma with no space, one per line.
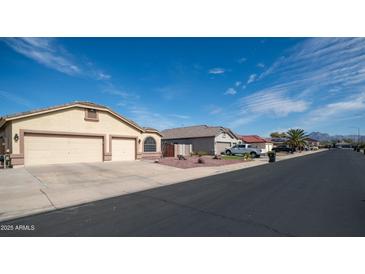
[272,156]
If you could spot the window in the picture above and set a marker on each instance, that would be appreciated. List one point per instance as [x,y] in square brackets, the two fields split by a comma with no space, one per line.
[91,114]
[149,145]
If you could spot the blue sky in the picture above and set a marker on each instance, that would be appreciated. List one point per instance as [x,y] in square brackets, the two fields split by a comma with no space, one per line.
[252,85]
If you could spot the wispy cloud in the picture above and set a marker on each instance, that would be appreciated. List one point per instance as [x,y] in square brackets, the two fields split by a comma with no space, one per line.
[238,83]
[242,60]
[251,78]
[50,53]
[15,99]
[103,76]
[337,110]
[145,117]
[216,71]
[323,78]
[179,116]
[230,91]
[46,52]
[170,92]
[273,102]
[327,62]
[110,89]
[213,109]
[260,65]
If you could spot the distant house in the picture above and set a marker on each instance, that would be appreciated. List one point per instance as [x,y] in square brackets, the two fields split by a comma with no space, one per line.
[257,141]
[203,138]
[277,141]
[343,145]
[312,142]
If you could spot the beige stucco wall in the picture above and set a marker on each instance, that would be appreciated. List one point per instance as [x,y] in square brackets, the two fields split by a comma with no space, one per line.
[226,138]
[72,120]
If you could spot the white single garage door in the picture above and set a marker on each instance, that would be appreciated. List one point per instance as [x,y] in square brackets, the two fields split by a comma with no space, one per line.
[57,149]
[123,149]
[221,146]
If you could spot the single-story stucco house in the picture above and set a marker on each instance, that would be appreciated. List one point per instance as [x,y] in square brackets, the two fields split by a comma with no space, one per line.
[257,141]
[75,132]
[312,142]
[203,138]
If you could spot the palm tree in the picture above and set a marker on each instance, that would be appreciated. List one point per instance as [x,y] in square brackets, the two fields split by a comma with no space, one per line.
[296,138]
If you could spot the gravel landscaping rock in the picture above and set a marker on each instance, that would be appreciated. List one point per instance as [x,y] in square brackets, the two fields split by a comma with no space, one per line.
[191,162]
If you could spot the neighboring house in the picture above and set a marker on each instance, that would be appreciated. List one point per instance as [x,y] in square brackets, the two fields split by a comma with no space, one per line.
[312,142]
[75,132]
[343,145]
[257,141]
[203,138]
[277,141]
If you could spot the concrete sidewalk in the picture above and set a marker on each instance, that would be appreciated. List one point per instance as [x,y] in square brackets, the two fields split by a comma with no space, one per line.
[26,191]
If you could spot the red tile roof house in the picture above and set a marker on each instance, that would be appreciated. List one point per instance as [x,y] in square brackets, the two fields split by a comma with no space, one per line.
[257,141]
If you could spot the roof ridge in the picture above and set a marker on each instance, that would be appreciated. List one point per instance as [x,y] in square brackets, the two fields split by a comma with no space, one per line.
[185,127]
[53,107]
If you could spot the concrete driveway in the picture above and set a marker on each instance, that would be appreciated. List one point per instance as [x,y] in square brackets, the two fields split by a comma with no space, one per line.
[25,191]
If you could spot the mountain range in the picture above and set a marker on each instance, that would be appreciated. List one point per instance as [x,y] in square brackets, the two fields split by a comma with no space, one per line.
[326,137]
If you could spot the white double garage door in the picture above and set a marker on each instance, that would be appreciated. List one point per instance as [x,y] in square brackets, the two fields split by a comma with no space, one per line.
[42,149]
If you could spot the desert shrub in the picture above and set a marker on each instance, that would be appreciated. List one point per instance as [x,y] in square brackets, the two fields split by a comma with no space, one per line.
[217,157]
[201,161]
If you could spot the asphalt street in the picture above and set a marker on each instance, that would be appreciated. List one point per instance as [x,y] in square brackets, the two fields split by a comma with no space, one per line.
[322,194]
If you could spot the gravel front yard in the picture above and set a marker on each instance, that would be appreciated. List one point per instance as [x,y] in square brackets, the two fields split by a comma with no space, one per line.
[191,162]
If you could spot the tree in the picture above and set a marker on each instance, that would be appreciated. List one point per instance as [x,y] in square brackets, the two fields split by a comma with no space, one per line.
[296,138]
[278,135]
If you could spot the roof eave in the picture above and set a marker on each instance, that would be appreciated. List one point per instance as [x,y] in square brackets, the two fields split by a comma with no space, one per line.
[80,105]
[153,131]
[2,122]
[172,138]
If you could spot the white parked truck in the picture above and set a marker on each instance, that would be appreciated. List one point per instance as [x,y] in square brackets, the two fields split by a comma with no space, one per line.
[244,148]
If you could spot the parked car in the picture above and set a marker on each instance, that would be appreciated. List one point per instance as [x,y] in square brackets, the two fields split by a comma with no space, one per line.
[282,148]
[244,148]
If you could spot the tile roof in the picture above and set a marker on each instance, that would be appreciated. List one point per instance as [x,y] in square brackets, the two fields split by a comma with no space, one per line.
[195,132]
[252,139]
